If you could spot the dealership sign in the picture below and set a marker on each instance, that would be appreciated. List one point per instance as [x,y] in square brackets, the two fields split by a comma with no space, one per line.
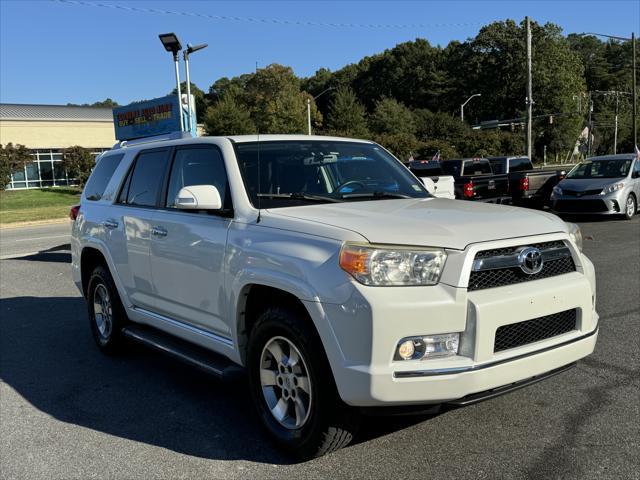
[145,119]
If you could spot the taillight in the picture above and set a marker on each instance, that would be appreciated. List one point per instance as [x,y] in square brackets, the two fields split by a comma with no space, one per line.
[524,184]
[468,190]
[73,213]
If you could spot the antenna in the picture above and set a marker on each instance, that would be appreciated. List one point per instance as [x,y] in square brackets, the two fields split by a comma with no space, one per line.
[259,178]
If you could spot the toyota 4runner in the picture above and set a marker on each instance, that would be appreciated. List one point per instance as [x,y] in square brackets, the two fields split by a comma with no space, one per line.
[323,269]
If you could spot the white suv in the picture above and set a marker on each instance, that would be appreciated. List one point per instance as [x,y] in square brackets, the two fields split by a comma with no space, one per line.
[323,268]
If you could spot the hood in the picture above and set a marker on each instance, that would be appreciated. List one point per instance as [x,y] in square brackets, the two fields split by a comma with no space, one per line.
[583,184]
[436,222]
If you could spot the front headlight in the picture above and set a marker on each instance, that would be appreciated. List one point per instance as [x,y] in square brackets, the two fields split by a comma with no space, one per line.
[392,265]
[612,188]
[575,234]
[557,190]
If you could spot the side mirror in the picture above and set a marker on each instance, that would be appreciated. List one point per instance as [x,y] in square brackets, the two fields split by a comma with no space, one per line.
[198,197]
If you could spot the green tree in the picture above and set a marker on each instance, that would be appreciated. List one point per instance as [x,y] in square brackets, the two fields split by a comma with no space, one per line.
[228,117]
[439,125]
[276,102]
[402,145]
[391,117]
[429,148]
[347,116]
[79,163]
[106,103]
[12,159]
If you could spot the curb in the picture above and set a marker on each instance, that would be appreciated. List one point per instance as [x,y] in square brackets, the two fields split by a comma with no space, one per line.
[34,223]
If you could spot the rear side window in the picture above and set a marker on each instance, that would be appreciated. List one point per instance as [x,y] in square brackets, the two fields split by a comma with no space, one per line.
[101,175]
[197,166]
[144,182]
[520,164]
[451,168]
[477,167]
[498,166]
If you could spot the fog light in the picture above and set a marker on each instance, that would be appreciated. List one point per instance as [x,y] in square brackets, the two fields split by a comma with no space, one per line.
[415,348]
[406,350]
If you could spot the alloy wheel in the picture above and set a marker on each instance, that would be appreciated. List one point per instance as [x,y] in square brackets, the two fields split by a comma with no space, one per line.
[103,311]
[631,207]
[285,382]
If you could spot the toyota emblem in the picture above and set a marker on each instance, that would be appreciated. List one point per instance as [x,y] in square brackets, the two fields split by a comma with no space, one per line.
[530,260]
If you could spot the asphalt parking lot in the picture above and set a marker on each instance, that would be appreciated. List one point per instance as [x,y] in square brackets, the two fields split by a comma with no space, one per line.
[66,411]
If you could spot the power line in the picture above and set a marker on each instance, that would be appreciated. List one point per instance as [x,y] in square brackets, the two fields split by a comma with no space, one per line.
[276,21]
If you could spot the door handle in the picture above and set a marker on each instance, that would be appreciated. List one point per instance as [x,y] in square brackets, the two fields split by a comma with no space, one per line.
[158,231]
[110,224]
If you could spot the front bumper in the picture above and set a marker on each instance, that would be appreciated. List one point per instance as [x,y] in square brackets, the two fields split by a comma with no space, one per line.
[367,331]
[611,204]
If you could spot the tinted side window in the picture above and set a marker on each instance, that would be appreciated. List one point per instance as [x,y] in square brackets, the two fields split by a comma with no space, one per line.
[477,167]
[498,166]
[451,168]
[101,175]
[198,166]
[145,181]
[519,164]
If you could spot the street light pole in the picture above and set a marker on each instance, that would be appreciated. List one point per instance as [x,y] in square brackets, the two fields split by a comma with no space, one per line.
[172,44]
[467,101]
[309,107]
[190,49]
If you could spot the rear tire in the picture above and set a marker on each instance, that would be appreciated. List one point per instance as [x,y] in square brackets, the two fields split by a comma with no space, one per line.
[293,387]
[106,313]
[630,207]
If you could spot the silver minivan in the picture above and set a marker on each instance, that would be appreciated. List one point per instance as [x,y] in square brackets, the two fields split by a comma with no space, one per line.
[606,185]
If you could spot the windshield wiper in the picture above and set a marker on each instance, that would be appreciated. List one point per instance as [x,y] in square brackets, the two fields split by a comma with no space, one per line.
[377,194]
[300,196]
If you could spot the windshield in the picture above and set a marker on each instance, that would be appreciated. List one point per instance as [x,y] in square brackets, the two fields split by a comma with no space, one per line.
[601,169]
[295,172]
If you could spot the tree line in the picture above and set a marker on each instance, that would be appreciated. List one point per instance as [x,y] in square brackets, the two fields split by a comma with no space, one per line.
[408,97]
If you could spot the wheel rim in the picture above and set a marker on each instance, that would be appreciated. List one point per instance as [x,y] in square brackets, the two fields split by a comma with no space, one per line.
[102,311]
[285,382]
[631,208]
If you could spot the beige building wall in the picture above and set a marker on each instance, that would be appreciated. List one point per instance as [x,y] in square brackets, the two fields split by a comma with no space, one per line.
[57,134]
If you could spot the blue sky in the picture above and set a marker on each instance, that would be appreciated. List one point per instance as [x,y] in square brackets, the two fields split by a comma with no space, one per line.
[54,52]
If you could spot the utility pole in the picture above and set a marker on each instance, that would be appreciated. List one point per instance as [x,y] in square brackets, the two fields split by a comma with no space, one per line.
[590,133]
[615,130]
[309,116]
[529,88]
[635,94]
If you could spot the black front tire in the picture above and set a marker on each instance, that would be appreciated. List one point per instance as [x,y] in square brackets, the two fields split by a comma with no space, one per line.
[102,294]
[331,424]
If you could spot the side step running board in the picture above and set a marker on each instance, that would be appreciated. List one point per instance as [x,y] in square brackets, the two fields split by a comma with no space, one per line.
[194,355]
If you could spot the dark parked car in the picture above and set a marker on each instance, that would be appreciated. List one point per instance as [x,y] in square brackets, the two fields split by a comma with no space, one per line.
[528,186]
[474,180]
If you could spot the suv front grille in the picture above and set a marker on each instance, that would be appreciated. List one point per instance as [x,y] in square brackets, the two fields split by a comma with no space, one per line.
[499,277]
[529,331]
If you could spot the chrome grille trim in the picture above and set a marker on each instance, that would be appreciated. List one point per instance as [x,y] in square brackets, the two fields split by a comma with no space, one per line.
[511,260]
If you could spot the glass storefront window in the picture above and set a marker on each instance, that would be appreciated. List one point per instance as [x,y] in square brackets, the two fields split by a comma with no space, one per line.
[58,171]
[18,176]
[32,172]
[46,171]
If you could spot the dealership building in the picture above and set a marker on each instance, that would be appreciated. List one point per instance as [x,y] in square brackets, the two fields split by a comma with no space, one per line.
[46,130]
